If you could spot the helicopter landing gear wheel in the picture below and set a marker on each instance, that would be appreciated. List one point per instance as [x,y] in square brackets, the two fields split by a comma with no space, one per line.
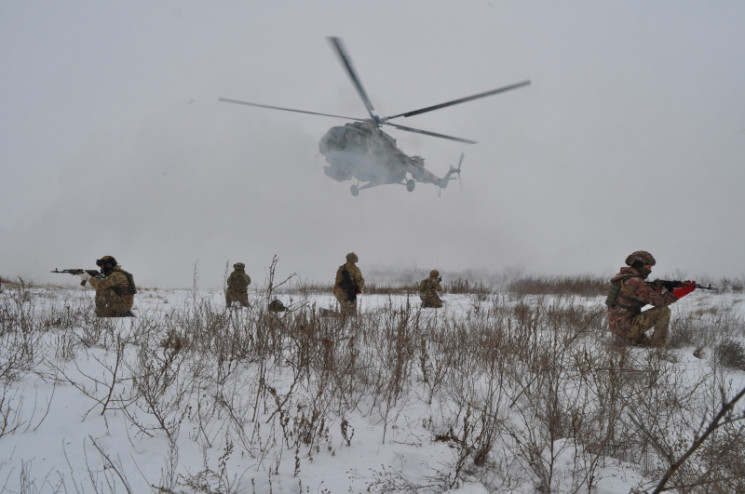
[354,190]
[410,184]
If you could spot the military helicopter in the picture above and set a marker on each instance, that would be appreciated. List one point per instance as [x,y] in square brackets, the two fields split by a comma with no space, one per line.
[361,150]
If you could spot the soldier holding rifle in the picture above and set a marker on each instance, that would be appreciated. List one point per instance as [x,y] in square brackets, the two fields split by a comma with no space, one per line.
[630,292]
[115,288]
[348,284]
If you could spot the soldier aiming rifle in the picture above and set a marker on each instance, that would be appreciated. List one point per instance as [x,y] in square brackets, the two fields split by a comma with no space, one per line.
[629,292]
[115,288]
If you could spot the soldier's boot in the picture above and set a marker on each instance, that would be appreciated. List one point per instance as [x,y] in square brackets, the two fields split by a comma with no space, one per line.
[641,341]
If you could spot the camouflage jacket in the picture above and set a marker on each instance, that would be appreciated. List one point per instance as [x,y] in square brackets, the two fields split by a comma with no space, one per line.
[356,282]
[115,292]
[635,293]
[238,282]
[429,287]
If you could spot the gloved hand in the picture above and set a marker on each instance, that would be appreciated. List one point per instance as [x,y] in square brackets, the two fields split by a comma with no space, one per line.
[688,287]
[84,276]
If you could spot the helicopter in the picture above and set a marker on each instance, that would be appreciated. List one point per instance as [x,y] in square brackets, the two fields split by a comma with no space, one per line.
[361,150]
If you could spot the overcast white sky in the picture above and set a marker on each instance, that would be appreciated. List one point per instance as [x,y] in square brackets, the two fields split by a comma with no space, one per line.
[631,136]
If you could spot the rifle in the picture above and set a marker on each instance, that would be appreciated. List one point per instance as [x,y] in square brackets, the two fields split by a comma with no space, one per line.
[76,272]
[346,284]
[671,285]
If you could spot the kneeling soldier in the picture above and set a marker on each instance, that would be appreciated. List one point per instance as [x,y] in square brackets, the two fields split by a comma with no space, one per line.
[630,292]
[428,289]
[115,289]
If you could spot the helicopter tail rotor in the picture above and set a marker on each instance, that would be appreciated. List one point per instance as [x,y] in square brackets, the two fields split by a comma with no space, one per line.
[444,181]
[454,171]
[460,163]
[457,170]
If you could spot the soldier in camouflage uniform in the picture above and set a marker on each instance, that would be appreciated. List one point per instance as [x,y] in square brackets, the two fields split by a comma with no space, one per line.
[115,289]
[630,292]
[238,282]
[428,289]
[348,285]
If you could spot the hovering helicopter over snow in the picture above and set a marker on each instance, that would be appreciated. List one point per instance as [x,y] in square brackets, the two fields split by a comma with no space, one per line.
[361,150]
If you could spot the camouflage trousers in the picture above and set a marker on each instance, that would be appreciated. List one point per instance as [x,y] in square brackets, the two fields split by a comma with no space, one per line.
[657,318]
[109,304]
[347,307]
[433,302]
[241,298]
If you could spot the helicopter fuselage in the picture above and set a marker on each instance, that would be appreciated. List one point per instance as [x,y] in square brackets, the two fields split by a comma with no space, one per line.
[360,150]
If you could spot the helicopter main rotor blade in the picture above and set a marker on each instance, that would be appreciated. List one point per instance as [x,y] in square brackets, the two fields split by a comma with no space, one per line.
[428,133]
[352,74]
[288,109]
[458,101]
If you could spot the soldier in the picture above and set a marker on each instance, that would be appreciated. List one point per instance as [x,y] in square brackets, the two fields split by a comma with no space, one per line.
[428,289]
[115,289]
[629,293]
[348,285]
[238,282]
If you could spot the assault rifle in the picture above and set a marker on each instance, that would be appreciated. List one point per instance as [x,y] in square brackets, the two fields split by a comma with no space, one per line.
[347,286]
[671,285]
[76,272]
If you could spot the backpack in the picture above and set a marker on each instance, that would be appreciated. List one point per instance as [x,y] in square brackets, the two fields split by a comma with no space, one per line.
[131,289]
[615,290]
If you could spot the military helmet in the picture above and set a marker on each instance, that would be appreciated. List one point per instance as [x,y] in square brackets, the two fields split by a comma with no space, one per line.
[352,257]
[642,256]
[276,305]
[239,265]
[106,260]
[434,273]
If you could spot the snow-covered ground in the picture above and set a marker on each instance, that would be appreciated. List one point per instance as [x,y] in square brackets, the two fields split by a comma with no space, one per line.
[165,402]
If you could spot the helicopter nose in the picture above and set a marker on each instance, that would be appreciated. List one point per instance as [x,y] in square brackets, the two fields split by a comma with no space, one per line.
[331,140]
[328,143]
[323,144]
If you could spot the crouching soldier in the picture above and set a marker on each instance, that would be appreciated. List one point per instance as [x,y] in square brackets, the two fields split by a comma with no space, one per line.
[630,292]
[115,289]
[428,289]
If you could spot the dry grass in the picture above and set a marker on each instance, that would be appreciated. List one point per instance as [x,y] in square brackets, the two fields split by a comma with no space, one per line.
[586,286]
[521,383]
